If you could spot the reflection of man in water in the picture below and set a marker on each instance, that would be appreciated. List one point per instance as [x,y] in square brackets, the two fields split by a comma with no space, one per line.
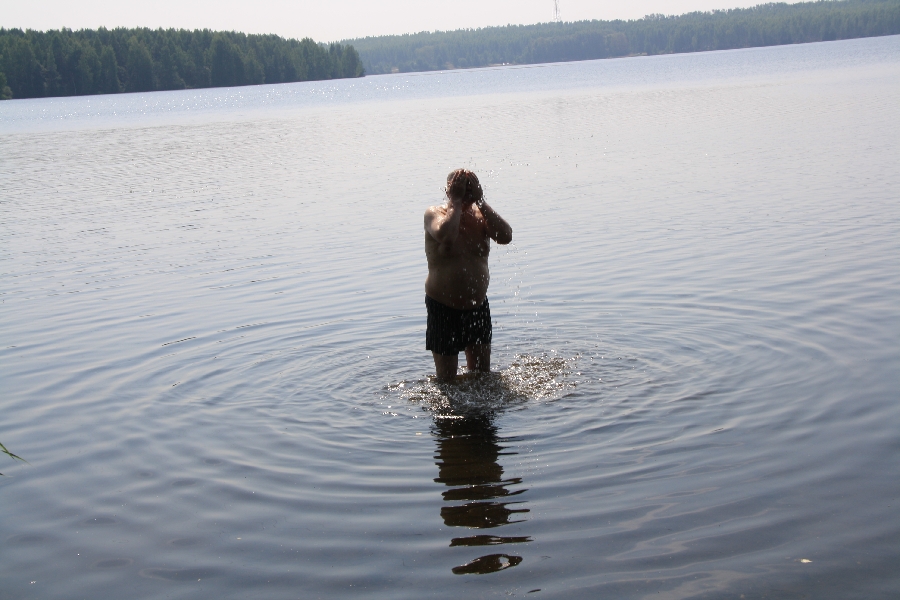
[468,450]
[457,243]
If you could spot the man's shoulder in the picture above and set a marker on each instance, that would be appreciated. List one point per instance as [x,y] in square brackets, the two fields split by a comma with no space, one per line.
[435,211]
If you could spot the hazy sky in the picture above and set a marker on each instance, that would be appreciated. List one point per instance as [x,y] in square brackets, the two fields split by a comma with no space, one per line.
[328,20]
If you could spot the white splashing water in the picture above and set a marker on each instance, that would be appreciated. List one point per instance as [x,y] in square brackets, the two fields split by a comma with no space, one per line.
[527,378]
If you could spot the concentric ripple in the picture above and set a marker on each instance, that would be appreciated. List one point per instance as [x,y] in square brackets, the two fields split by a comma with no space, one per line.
[214,361]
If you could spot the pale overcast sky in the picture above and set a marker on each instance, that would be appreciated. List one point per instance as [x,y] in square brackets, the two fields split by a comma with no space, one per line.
[328,20]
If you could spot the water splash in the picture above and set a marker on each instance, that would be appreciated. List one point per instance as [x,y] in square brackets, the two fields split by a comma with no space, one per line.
[527,378]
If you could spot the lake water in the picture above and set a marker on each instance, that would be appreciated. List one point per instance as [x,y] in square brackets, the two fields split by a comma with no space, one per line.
[213,336]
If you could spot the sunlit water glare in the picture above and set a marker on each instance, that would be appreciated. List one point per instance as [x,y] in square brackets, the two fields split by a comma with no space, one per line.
[213,316]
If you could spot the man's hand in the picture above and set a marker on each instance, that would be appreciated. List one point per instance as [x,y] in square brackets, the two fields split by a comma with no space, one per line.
[456,187]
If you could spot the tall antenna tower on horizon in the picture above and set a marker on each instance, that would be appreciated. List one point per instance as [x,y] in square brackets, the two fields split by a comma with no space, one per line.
[556,11]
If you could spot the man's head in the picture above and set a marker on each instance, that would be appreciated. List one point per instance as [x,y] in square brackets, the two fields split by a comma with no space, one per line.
[465,185]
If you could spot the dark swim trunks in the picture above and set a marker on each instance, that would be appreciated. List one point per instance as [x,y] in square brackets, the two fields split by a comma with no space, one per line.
[450,330]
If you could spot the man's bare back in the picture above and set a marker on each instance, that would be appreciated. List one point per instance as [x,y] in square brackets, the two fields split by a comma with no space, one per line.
[457,245]
[458,273]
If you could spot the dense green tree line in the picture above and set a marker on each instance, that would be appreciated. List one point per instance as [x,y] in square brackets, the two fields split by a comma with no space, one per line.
[35,64]
[764,25]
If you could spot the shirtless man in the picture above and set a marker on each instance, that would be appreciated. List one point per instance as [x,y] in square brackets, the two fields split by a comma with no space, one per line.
[457,244]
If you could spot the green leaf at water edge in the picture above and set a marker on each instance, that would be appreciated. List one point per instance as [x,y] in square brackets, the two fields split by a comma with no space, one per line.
[10,454]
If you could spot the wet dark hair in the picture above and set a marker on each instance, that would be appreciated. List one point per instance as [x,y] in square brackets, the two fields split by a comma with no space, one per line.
[464,183]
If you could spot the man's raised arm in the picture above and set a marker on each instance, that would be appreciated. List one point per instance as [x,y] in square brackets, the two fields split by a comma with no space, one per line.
[442,223]
[497,227]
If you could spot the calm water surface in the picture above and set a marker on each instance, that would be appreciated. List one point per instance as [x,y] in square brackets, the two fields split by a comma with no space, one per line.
[213,315]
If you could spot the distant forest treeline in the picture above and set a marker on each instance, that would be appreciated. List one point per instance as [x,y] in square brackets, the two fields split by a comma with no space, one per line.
[35,64]
[764,25]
